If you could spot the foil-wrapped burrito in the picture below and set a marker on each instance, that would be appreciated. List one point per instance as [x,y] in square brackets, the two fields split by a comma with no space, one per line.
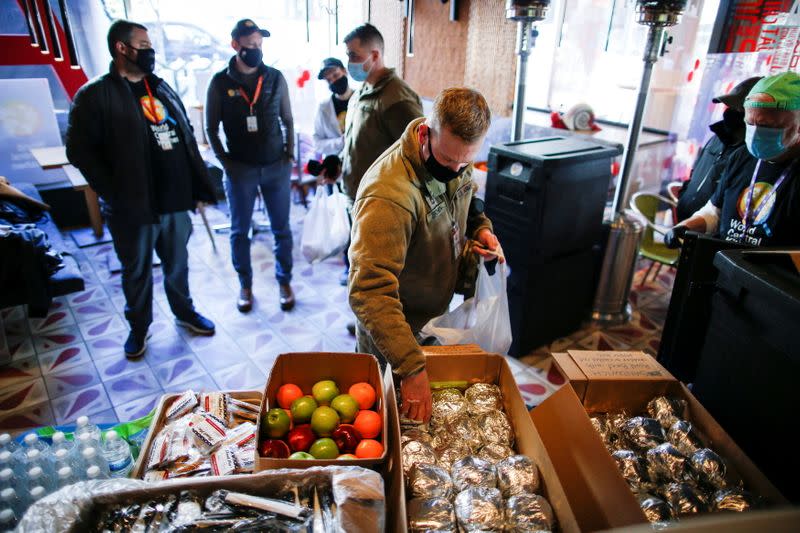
[529,512]
[682,436]
[665,463]
[473,472]
[416,452]
[483,397]
[427,515]
[480,509]
[657,511]
[447,404]
[464,429]
[709,468]
[456,451]
[495,427]
[666,410]
[415,434]
[642,433]
[430,481]
[685,499]
[631,466]
[517,475]
[495,453]
[734,500]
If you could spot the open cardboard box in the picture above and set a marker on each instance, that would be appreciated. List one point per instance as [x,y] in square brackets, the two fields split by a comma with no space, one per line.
[471,364]
[609,382]
[159,421]
[305,369]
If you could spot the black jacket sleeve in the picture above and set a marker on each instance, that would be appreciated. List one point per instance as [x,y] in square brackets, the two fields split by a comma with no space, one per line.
[85,140]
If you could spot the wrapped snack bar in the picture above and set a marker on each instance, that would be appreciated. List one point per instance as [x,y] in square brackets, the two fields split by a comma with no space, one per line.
[480,509]
[665,463]
[473,472]
[529,512]
[683,437]
[685,499]
[733,500]
[416,452]
[483,397]
[431,514]
[430,481]
[709,468]
[495,453]
[517,475]
[666,410]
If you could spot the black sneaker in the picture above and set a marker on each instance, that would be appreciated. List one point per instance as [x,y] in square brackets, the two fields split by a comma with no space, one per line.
[197,324]
[135,345]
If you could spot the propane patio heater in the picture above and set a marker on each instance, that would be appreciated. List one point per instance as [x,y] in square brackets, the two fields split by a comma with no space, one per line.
[611,300]
[526,13]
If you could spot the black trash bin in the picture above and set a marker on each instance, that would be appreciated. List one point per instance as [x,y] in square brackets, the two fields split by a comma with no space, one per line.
[546,198]
[749,366]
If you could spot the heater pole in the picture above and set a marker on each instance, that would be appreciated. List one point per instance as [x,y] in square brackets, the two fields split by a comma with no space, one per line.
[525,36]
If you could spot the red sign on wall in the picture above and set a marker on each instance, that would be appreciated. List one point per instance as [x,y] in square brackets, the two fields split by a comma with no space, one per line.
[745,19]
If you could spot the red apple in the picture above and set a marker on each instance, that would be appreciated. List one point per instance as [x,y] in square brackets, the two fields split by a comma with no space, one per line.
[346,438]
[301,438]
[273,448]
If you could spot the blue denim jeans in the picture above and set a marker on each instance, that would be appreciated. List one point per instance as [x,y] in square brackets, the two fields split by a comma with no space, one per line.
[134,245]
[242,182]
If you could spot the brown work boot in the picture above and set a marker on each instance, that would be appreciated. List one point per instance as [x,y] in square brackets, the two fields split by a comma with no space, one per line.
[245,301]
[287,297]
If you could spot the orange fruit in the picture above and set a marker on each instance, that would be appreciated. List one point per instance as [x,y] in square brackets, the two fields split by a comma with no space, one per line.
[364,394]
[288,393]
[369,449]
[368,424]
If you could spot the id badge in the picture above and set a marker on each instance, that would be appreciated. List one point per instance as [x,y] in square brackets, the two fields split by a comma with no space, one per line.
[252,124]
[164,140]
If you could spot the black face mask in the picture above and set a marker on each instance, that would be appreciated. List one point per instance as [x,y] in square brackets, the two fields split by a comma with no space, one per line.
[251,56]
[145,59]
[733,119]
[339,86]
[438,170]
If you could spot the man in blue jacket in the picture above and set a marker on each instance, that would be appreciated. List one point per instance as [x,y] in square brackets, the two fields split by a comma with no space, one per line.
[252,102]
[129,135]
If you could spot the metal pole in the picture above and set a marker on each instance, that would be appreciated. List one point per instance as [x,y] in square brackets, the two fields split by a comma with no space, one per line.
[655,39]
[524,37]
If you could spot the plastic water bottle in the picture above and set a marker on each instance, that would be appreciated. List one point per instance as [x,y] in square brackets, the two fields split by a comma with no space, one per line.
[82,425]
[8,520]
[92,458]
[60,442]
[9,499]
[94,473]
[8,444]
[7,478]
[9,460]
[32,441]
[117,454]
[65,477]
[33,458]
[85,440]
[37,493]
[62,458]
[38,477]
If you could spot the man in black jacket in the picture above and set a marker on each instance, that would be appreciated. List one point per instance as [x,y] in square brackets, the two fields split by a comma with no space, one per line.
[129,135]
[252,102]
[714,156]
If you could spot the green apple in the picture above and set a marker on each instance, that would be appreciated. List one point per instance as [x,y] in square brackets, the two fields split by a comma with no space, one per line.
[300,455]
[324,421]
[277,423]
[346,406]
[302,409]
[324,449]
[324,391]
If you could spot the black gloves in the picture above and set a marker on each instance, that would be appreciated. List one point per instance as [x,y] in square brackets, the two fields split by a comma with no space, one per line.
[674,236]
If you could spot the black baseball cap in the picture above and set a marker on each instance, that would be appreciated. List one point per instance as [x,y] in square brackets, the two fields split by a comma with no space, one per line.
[735,98]
[245,27]
[328,62]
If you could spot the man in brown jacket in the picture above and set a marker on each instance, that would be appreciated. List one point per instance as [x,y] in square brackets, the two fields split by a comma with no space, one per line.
[412,224]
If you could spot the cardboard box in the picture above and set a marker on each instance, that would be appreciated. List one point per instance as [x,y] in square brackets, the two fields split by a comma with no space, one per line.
[491,368]
[305,369]
[159,421]
[608,382]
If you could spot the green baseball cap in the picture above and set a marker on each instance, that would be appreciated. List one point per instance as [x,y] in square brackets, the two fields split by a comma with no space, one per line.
[784,88]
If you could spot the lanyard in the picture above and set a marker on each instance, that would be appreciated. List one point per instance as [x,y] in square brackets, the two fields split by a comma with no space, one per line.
[765,201]
[151,101]
[255,95]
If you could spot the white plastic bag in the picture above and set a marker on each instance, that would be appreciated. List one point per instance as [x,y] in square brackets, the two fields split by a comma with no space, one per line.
[482,319]
[326,229]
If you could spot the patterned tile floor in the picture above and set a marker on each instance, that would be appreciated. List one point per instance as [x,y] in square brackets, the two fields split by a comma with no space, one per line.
[71,362]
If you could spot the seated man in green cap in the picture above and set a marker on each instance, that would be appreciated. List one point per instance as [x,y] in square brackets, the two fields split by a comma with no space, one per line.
[757,201]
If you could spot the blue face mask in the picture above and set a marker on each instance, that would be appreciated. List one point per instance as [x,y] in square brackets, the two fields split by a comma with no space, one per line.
[764,143]
[356,71]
